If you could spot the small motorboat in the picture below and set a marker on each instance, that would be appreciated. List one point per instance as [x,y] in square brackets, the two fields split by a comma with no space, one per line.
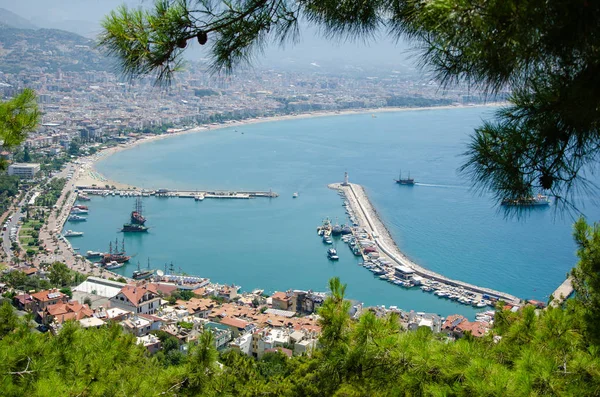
[332,254]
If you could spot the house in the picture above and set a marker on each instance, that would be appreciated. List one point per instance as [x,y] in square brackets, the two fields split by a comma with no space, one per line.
[136,325]
[227,292]
[457,325]
[61,312]
[91,322]
[43,299]
[236,325]
[23,302]
[281,301]
[138,299]
[150,342]
[198,307]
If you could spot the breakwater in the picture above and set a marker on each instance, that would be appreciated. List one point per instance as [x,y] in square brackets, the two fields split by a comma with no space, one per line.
[369,220]
[195,194]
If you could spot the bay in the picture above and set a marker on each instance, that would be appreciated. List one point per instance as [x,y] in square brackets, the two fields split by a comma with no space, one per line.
[272,243]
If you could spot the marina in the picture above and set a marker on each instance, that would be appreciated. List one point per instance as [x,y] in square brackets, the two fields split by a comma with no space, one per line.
[382,256]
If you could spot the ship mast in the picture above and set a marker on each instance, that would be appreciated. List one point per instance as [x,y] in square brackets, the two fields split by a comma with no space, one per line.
[110,247]
[123,246]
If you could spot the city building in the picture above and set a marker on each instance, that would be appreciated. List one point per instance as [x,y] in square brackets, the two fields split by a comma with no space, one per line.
[23,170]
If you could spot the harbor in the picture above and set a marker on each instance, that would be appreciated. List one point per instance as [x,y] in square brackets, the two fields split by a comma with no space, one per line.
[392,265]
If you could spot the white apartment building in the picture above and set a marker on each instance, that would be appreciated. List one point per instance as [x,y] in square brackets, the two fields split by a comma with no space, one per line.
[23,170]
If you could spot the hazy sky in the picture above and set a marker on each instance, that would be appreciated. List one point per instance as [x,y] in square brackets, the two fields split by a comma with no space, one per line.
[313,51]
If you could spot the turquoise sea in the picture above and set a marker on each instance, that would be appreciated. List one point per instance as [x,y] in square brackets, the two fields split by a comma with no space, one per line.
[272,243]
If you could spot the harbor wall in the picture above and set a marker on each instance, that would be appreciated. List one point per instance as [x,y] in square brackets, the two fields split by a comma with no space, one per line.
[370,220]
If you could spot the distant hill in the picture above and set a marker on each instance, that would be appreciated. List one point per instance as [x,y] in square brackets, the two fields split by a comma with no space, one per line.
[11,20]
[49,50]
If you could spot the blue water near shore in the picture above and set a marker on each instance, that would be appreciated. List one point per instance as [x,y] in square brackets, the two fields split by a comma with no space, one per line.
[272,243]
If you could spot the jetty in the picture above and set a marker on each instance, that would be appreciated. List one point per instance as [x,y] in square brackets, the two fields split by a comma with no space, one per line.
[194,194]
[368,219]
[564,291]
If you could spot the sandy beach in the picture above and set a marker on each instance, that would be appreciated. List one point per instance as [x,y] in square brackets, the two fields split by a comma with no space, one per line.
[88,175]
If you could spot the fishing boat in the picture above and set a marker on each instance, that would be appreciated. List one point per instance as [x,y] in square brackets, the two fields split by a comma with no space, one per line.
[539,200]
[140,274]
[405,181]
[81,207]
[332,254]
[76,210]
[83,197]
[77,218]
[71,233]
[113,265]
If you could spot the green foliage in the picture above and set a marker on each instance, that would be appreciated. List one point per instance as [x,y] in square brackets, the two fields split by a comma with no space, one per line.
[538,354]
[67,291]
[586,277]
[185,295]
[8,319]
[60,275]
[18,117]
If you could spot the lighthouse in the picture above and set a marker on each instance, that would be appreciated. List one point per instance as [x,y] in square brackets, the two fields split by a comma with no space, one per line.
[345,179]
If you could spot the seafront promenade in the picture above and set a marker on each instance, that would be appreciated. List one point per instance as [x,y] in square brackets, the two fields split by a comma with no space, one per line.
[369,220]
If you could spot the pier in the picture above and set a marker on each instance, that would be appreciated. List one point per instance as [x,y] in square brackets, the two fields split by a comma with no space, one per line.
[369,220]
[562,292]
[194,194]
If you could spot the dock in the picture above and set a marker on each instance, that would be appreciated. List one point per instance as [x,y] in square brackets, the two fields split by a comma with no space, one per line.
[194,194]
[369,220]
[562,293]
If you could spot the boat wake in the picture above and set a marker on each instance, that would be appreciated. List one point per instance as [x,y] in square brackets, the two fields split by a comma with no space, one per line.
[444,186]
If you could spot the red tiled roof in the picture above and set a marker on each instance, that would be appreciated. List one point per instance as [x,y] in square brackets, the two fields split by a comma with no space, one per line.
[280,296]
[234,322]
[42,296]
[135,293]
[476,328]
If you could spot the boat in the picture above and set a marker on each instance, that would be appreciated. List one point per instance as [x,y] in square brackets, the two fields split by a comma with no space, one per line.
[132,227]
[327,239]
[336,230]
[137,221]
[113,265]
[539,200]
[140,274]
[136,215]
[76,210]
[295,195]
[199,197]
[332,254]
[71,233]
[81,207]
[77,218]
[93,254]
[406,181]
[346,230]
[116,256]
[83,197]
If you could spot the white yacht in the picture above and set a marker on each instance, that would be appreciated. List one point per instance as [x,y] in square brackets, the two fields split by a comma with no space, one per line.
[295,195]
[71,233]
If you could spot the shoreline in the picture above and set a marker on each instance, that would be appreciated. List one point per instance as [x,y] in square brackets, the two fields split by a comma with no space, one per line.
[93,176]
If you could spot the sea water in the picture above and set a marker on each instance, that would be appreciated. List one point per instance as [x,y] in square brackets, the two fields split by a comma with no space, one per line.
[272,244]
